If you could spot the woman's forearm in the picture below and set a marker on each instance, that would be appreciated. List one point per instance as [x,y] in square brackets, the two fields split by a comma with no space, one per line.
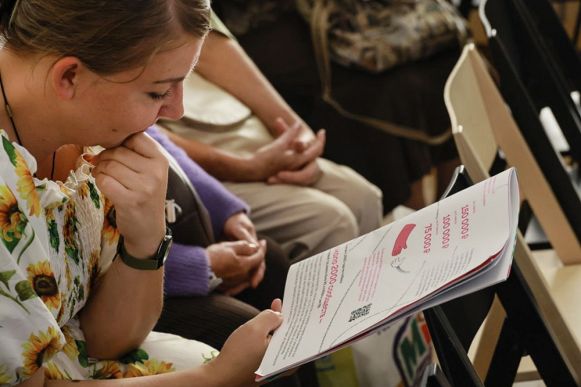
[225,63]
[123,309]
[218,163]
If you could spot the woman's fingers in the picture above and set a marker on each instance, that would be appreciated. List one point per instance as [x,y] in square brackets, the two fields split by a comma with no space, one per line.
[123,174]
[258,275]
[144,145]
[276,305]
[243,247]
[134,177]
[266,322]
[304,177]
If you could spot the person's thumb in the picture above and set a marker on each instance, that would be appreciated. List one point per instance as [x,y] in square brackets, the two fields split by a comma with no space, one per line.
[244,247]
[267,321]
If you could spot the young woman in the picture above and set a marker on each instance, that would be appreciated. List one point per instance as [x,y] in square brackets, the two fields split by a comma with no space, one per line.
[96,73]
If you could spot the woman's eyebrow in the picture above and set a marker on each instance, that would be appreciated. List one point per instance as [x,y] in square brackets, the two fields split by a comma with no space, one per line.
[178,79]
[170,80]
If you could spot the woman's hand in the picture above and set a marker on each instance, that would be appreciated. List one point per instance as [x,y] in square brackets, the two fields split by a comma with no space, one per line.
[244,349]
[290,151]
[133,176]
[240,264]
[301,150]
[306,176]
[276,156]
[240,227]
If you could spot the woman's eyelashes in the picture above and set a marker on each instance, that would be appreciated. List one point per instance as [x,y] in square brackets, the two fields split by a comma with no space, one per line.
[157,96]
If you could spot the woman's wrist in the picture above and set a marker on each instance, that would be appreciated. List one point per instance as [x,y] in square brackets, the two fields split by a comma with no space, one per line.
[143,249]
[250,169]
[214,374]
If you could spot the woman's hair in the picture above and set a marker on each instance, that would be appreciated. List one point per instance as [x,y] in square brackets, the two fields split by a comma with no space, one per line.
[108,36]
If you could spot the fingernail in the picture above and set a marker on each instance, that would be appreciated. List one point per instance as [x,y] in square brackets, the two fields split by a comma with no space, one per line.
[252,245]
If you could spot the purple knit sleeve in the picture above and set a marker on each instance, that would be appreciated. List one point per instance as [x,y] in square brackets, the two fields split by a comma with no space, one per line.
[186,271]
[220,202]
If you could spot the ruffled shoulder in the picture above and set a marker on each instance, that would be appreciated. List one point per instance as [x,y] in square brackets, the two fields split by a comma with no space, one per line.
[43,193]
[82,172]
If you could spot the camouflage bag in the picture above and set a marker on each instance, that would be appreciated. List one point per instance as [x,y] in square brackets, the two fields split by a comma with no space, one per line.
[376,35]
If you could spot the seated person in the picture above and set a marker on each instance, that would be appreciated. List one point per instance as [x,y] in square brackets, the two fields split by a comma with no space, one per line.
[409,97]
[81,284]
[242,132]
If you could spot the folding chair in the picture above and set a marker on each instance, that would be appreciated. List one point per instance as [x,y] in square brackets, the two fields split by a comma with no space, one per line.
[478,115]
[533,53]
[548,188]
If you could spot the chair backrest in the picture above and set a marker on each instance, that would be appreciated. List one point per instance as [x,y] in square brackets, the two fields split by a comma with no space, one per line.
[473,101]
[534,62]
[191,224]
[479,117]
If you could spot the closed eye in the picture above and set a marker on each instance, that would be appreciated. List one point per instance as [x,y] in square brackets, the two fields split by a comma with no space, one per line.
[157,96]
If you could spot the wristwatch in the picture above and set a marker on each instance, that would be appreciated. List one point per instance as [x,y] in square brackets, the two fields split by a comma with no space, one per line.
[152,263]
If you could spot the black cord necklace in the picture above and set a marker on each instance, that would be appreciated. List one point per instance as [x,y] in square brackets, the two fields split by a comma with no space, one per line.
[8,110]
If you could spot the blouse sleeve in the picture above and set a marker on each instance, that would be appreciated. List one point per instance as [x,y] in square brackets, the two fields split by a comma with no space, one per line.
[29,332]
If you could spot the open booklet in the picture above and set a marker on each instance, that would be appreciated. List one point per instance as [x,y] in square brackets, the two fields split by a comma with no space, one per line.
[457,246]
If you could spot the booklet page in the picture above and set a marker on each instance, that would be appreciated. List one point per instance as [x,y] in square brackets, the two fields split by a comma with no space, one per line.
[336,295]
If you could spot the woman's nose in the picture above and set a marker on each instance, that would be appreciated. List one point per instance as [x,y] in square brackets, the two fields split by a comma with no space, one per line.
[173,108]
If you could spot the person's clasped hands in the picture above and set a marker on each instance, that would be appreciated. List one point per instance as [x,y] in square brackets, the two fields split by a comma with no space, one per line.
[292,157]
[239,262]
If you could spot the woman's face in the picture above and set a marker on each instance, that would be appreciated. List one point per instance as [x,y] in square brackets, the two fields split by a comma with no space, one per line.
[112,108]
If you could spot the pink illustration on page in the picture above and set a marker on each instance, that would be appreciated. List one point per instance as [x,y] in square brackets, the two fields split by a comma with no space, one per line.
[402,239]
[399,245]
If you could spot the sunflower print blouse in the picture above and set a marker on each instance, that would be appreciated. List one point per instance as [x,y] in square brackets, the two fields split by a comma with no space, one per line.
[55,240]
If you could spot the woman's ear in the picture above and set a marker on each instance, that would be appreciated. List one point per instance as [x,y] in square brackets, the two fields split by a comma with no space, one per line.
[65,76]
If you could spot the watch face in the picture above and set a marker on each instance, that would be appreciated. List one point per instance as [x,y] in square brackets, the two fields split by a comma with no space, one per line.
[152,263]
[164,248]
